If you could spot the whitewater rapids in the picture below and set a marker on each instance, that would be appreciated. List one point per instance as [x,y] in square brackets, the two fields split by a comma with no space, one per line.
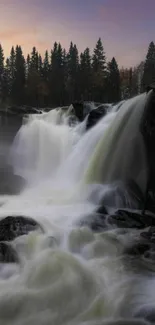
[70,275]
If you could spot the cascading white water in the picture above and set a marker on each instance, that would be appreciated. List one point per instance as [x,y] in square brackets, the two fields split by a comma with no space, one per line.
[70,275]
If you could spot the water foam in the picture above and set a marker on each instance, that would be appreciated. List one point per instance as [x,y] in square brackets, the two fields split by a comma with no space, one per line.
[70,275]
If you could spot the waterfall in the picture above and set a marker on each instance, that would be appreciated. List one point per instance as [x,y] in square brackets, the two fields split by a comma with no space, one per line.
[70,275]
[120,154]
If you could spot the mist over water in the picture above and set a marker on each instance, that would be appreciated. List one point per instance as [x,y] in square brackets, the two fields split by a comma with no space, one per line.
[69,274]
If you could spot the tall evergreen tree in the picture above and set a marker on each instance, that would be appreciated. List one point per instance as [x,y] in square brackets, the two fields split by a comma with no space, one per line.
[43,87]
[33,79]
[34,60]
[40,65]
[18,88]
[149,67]
[12,70]
[85,75]
[53,73]
[57,75]
[46,66]
[72,72]
[99,71]
[28,60]
[1,60]
[1,72]
[6,83]
[113,82]
[65,77]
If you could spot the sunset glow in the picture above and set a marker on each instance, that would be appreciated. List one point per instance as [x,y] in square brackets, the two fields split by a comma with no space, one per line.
[126,27]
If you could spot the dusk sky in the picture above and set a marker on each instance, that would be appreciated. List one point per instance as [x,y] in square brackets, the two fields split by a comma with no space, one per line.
[125,26]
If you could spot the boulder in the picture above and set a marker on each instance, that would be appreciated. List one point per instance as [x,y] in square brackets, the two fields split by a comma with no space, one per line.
[143,246]
[119,195]
[96,222]
[95,115]
[122,218]
[147,312]
[78,108]
[7,253]
[125,218]
[147,128]
[82,109]
[125,200]
[15,226]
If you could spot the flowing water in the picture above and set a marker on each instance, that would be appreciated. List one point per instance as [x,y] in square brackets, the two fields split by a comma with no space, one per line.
[70,275]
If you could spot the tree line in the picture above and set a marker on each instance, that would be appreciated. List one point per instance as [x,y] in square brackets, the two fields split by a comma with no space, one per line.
[60,78]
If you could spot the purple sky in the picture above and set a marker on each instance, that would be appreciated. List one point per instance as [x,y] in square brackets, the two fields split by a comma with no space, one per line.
[125,26]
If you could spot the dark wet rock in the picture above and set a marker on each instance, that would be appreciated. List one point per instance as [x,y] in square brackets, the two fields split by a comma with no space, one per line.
[146,312]
[127,195]
[82,109]
[143,245]
[137,249]
[95,111]
[150,200]
[102,210]
[78,108]
[136,196]
[129,199]
[130,215]
[147,128]
[124,218]
[96,222]
[148,236]
[95,115]
[150,255]
[15,226]
[7,253]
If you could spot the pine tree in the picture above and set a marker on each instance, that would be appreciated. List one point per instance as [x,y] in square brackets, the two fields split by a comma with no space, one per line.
[134,86]
[72,71]
[1,72]
[11,71]
[6,83]
[33,79]
[40,65]
[126,76]
[85,75]
[65,77]
[99,71]
[46,66]
[18,87]
[57,76]
[1,60]
[149,67]
[28,60]
[44,69]
[43,87]
[113,82]
[34,60]
[53,74]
